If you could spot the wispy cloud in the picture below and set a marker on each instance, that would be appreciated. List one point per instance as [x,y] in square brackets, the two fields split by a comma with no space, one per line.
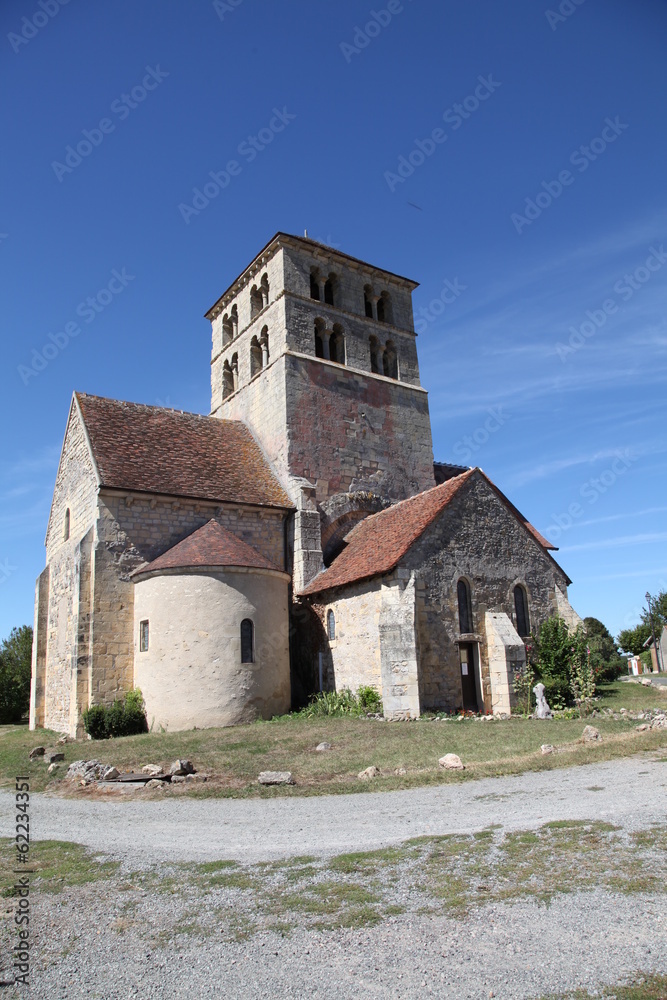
[613,543]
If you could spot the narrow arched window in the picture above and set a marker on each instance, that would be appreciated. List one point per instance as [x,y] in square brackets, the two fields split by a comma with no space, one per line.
[247,641]
[380,309]
[255,357]
[337,345]
[331,625]
[465,607]
[66,525]
[227,330]
[227,380]
[368,303]
[264,290]
[314,286]
[390,361]
[329,290]
[319,341]
[255,301]
[374,344]
[234,320]
[521,609]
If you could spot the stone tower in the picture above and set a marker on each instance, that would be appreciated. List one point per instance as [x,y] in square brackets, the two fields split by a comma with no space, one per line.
[316,352]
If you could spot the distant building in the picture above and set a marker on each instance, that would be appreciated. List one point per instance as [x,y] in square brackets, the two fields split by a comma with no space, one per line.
[226,563]
[659,655]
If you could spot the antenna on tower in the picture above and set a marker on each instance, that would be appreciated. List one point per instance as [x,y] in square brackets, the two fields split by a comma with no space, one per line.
[305,233]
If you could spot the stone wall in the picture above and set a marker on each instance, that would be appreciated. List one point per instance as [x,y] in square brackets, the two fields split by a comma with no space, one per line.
[75,489]
[478,538]
[192,673]
[354,655]
[398,646]
[38,681]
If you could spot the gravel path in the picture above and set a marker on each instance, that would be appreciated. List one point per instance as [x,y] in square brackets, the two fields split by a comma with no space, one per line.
[94,941]
[624,791]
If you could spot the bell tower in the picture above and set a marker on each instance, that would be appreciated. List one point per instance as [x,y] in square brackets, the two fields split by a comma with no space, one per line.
[316,352]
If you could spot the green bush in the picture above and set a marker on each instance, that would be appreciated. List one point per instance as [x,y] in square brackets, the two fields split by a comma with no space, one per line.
[126,717]
[343,702]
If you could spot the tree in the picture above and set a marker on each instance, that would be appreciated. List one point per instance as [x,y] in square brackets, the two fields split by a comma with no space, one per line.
[632,639]
[556,650]
[606,661]
[15,672]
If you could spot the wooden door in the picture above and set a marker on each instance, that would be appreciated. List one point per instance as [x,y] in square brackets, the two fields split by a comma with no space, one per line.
[468,687]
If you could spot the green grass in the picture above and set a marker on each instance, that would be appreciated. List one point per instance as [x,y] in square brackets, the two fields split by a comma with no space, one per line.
[235,756]
[445,875]
[642,987]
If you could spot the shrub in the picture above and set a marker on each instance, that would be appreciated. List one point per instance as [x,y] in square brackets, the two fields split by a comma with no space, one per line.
[15,672]
[337,703]
[562,663]
[126,717]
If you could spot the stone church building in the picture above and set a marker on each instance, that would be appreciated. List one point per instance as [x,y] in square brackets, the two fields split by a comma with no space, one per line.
[300,537]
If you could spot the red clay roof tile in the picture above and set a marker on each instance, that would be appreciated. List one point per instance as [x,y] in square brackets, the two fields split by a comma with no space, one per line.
[155,450]
[210,545]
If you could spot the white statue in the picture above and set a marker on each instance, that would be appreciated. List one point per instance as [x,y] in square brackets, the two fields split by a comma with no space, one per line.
[542,710]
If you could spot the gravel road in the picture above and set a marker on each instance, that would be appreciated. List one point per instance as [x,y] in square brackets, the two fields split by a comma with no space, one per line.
[625,791]
[94,941]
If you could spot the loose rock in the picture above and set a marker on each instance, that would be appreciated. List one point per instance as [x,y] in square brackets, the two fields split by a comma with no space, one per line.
[36,752]
[323,746]
[276,778]
[151,769]
[54,757]
[175,779]
[590,734]
[547,748]
[195,777]
[181,767]
[52,768]
[452,762]
[154,783]
[110,774]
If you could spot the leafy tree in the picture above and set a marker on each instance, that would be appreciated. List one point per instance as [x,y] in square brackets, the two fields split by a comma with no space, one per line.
[554,648]
[632,639]
[606,661]
[15,672]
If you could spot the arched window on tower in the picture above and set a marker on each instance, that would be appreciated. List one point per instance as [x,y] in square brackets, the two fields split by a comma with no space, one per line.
[314,286]
[331,625]
[264,290]
[234,319]
[368,301]
[376,355]
[255,301]
[329,286]
[465,607]
[247,641]
[227,380]
[390,361]
[66,525]
[264,344]
[384,311]
[227,330]
[337,345]
[255,357]
[319,339]
[521,609]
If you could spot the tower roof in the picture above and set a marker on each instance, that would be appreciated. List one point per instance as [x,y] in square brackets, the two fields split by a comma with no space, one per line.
[210,546]
[150,449]
[303,242]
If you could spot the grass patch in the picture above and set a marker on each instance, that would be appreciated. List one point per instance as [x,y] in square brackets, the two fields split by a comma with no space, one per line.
[235,756]
[56,864]
[642,987]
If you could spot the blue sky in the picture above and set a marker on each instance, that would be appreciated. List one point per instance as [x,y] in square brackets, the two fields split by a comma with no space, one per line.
[535,225]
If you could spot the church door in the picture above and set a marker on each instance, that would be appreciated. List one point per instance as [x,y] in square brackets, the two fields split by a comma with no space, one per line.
[468,687]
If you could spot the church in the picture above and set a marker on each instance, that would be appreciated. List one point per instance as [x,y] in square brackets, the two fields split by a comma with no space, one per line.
[299,538]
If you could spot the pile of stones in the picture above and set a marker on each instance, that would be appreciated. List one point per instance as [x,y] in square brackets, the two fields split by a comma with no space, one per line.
[88,772]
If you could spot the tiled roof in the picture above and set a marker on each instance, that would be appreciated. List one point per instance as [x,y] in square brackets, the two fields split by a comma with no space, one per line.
[378,543]
[151,449]
[210,545]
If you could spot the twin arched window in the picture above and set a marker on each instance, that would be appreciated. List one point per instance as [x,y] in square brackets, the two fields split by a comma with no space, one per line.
[329,344]
[322,288]
[521,610]
[383,361]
